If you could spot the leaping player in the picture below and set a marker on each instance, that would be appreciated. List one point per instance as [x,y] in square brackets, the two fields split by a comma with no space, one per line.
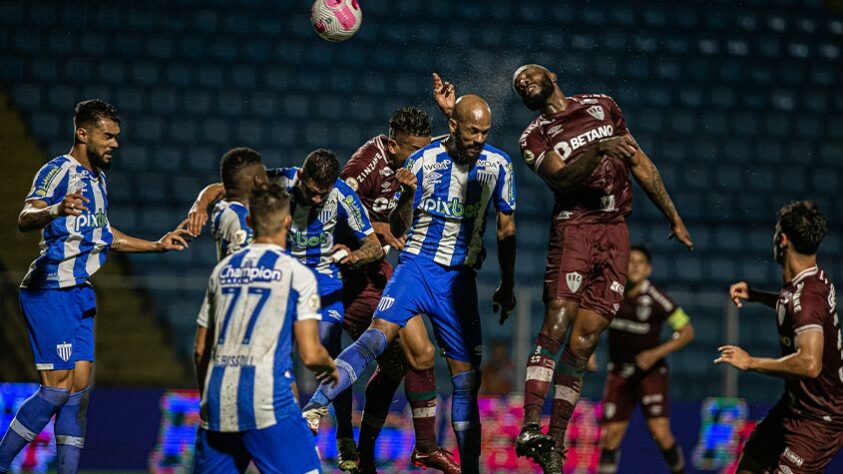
[582,149]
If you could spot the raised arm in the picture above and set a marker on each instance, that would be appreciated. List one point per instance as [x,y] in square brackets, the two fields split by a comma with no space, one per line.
[173,240]
[741,291]
[807,361]
[198,214]
[647,175]
[36,214]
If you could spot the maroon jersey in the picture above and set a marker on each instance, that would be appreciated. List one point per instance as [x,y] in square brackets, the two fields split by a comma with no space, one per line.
[638,324]
[606,196]
[370,175]
[808,303]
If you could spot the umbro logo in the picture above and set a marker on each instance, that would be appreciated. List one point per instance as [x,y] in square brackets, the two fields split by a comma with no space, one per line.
[555,130]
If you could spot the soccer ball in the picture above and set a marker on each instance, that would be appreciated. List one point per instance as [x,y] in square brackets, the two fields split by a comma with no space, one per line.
[336,20]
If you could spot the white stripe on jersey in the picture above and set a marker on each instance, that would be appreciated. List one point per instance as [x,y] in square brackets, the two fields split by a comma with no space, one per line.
[93,263]
[417,234]
[451,229]
[71,247]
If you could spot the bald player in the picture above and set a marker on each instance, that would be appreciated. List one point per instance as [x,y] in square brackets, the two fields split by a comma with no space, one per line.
[447,187]
[582,149]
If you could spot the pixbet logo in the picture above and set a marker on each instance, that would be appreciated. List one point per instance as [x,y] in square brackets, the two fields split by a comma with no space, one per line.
[452,208]
[301,239]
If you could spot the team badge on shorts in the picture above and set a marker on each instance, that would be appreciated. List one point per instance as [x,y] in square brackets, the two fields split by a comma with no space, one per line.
[574,281]
[64,350]
[385,303]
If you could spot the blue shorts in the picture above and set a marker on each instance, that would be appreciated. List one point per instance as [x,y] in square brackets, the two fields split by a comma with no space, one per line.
[448,296]
[330,294]
[60,323]
[288,447]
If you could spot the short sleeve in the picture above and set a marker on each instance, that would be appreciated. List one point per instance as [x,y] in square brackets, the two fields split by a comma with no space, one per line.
[234,232]
[308,302]
[207,309]
[618,122]
[50,184]
[809,312]
[534,145]
[352,174]
[504,196]
[353,212]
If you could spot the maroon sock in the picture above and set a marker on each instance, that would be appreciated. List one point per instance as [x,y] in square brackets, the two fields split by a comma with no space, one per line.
[380,392]
[420,388]
[568,383]
[540,368]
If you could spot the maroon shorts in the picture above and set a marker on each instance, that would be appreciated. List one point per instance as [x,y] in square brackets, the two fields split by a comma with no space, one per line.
[361,293]
[626,386]
[786,443]
[588,263]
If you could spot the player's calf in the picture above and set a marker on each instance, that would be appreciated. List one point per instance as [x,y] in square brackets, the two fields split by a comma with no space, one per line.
[71,422]
[32,416]
[465,417]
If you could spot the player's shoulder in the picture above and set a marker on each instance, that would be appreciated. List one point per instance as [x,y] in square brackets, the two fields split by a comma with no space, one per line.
[496,155]
[592,98]
[816,284]
[343,188]
[659,296]
[425,154]
[366,160]
[283,172]
[373,148]
[535,126]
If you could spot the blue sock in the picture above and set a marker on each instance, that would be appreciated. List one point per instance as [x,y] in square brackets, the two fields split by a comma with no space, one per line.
[465,418]
[351,363]
[331,336]
[31,418]
[70,431]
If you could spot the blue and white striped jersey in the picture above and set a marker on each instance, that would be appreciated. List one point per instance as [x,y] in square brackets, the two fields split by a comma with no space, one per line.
[449,216]
[254,297]
[229,228]
[313,232]
[72,247]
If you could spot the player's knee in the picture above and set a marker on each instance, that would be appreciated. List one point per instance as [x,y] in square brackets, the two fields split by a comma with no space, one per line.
[423,357]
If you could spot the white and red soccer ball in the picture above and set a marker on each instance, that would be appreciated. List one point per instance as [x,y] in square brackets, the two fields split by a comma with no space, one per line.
[336,20]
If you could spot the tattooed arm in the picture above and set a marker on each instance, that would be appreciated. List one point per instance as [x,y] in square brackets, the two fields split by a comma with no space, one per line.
[648,177]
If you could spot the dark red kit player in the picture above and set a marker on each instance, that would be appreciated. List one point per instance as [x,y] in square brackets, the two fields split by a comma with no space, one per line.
[804,431]
[581,147]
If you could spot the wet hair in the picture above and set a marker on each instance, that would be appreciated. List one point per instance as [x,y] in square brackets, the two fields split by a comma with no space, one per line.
[804,225]
[322,167]
[409,121]
[644,251]
[268,205]
[89,112]
[235,161]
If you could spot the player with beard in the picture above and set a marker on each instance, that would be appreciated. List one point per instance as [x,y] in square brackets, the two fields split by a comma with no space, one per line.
[446,190]
[69,204]
[371,172]
[582,149]
[804,431]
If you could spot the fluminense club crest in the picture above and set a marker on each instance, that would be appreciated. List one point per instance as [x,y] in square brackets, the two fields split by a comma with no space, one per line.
[596,111]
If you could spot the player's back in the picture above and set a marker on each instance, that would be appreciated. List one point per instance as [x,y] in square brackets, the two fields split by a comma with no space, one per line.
[808,302]
[451,202]
[229,228]
[254,297]
[606,196]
